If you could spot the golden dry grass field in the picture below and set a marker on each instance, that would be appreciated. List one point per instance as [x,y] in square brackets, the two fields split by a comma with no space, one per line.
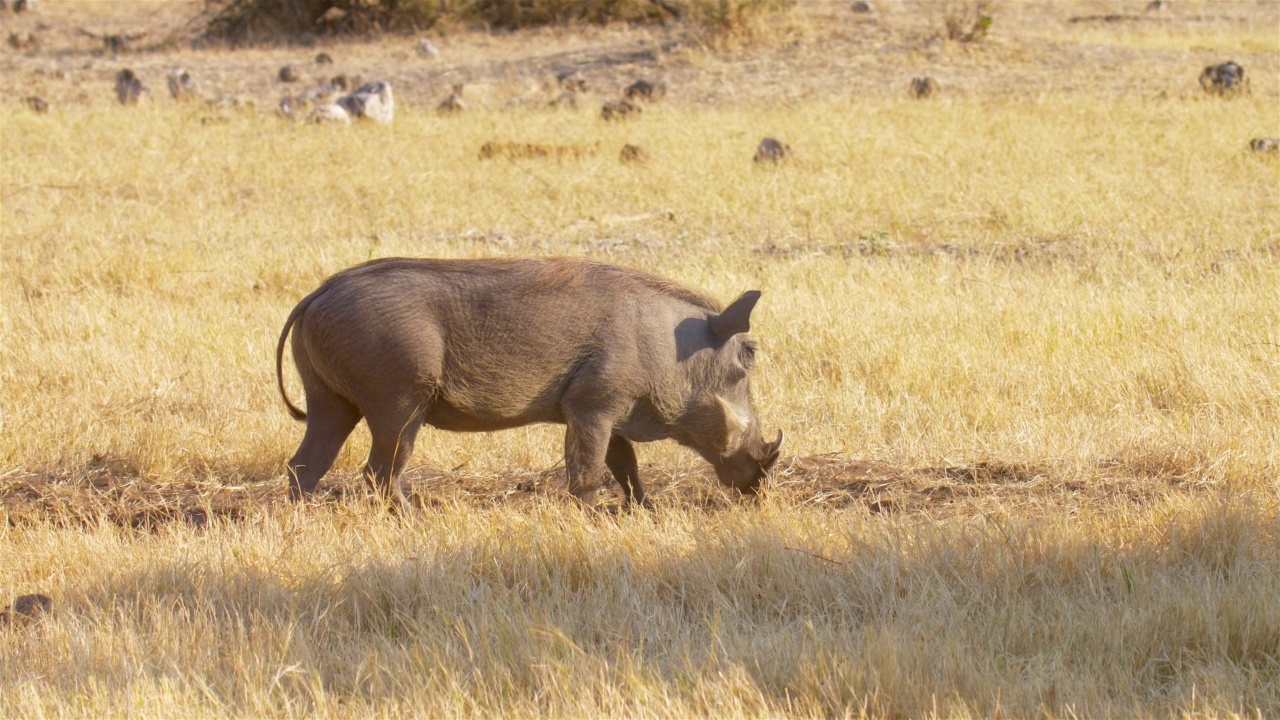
[1023,339]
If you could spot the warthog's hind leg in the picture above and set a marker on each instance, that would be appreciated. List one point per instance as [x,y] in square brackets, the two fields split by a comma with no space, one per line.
[330,419]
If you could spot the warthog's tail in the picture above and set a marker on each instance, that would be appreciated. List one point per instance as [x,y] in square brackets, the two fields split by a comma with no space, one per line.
[297,413]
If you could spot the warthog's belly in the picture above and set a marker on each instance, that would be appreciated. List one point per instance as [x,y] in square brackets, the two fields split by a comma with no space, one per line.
[447,417]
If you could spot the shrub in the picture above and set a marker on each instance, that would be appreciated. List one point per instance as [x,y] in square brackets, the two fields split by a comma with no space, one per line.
[257,21]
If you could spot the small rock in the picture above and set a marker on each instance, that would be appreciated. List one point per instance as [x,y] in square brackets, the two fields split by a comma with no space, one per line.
[129,87]
[289,74]
[181,86]
[633,154]
[1224,79]
[453,103]
[1269,146]
[646,90]
[1157,5]
[373,100]
[771,150]
[861,6]
[291,108]
[427,49]
[324,59]
[619,110]
[37,103]
[924,87]
[331,114]
[26,608]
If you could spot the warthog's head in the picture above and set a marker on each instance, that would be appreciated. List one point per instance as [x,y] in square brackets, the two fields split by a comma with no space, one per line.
[723,421]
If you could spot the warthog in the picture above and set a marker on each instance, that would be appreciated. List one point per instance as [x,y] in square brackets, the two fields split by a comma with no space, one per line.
[616,355]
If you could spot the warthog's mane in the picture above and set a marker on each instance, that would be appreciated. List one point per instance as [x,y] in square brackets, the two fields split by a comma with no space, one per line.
[551,273]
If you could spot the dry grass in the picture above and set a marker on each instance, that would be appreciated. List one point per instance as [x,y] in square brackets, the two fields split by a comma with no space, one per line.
[1024,341]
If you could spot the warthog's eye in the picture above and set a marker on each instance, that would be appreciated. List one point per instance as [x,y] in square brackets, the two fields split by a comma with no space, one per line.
[747,353]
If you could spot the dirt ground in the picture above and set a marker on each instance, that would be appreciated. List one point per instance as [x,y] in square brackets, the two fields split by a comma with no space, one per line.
[821,50]
[108,491]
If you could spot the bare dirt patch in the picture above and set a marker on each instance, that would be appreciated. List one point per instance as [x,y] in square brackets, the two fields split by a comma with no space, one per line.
[107,491]
[819,51]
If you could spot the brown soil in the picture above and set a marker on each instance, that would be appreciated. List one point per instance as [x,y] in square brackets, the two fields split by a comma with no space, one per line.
[822,50]
[107,491]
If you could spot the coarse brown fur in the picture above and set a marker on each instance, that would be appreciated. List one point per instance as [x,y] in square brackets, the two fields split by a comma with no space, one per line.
[614,354]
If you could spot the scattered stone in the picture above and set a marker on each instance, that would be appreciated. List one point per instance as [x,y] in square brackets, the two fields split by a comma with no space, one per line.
[453,103]
[129,87]
[289,74]
[619,110]
[1224,79]
[771,150]
[25,41]
[181,86]
[331,114]
[26,609]
[1270,146]
[862,6]
[646,90]
[324,59]
[924,87]
[1157,5]
[427,49]
[633,154]
[373,100]
[291,108]
[37,103]
[571,80]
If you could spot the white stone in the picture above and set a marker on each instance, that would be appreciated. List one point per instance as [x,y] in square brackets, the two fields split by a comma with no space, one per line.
[331,114]
[372,100]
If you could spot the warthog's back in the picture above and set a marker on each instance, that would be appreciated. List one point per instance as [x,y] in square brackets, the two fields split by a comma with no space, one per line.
[489,343]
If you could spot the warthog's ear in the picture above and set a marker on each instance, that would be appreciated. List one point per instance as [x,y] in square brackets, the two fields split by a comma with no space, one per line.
[735,424]
[735,319]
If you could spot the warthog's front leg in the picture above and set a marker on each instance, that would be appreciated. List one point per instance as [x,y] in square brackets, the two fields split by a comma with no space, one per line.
[585,446]
[621,459]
